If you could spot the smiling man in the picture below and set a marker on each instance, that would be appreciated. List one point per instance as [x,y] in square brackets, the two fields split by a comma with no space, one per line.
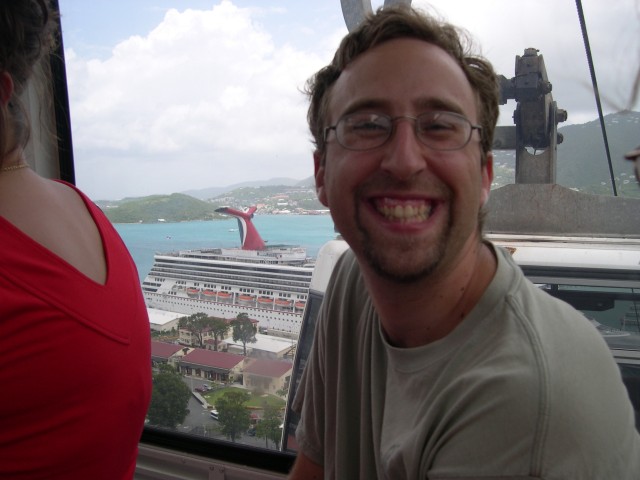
[433,356]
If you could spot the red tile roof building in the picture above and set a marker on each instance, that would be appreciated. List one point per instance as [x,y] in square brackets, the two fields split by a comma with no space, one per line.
[217,366]
[162,352]
[269,376]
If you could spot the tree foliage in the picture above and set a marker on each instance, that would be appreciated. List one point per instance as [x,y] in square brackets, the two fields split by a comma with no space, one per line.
[244,330]
[219,328]
[233,415]
[197,324]
[269,427]
[169,398]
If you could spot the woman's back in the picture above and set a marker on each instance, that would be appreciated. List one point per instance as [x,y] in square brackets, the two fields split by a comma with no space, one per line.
[74,330]
[74,333]
[55,216]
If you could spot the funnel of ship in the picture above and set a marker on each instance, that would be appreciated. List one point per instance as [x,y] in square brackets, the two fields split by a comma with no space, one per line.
[249,236]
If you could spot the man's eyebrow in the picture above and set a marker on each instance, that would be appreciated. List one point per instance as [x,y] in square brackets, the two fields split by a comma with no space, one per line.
[420,105]
[371,104]
[433,103]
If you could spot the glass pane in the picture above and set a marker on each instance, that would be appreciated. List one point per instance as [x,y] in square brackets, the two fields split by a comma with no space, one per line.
[201,98]
[181,107]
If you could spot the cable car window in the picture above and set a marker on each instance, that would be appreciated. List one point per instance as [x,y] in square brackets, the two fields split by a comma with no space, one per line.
[189,131]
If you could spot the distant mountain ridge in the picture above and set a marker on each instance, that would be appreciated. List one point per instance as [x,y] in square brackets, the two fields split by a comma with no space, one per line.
[582,161]
[212,192]
[582,164]
[176,207]
[179,207]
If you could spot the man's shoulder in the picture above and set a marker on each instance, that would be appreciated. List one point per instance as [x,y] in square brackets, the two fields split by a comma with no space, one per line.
[346,271]
[552,327]
[530,298]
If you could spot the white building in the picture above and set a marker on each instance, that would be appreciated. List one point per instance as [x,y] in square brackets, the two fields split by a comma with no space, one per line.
[163,321]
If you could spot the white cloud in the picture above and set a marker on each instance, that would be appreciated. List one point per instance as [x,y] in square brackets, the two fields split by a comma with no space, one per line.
[212,97]
[504,28]
[205,99]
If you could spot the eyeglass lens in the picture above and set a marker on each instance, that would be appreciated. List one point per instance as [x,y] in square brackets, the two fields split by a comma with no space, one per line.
[438,130]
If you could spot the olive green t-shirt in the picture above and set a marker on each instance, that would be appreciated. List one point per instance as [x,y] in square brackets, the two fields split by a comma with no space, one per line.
[525,387]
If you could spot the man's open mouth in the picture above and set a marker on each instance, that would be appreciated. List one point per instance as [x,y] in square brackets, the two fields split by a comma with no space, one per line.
[404,211]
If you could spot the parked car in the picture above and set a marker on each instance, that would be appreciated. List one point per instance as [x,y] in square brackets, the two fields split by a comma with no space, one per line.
[203,388]
[214,414]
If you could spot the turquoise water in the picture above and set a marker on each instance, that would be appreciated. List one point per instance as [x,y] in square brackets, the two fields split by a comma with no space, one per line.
[144,240]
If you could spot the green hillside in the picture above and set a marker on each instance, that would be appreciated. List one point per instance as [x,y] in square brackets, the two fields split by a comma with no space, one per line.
[294,196]
[582,160]
[176,207]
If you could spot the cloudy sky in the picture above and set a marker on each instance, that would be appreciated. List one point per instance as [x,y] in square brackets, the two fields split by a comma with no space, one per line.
[174,95]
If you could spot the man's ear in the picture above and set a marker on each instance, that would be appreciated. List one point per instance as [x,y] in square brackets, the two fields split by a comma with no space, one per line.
[6,88]
[487,178]
[318,173]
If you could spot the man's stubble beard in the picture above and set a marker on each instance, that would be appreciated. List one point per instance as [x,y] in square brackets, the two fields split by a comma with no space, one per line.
[385,266]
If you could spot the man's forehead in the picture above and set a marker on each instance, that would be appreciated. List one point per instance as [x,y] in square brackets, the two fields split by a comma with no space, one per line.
[413,71]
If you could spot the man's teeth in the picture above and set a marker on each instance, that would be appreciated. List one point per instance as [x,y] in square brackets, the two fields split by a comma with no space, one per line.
[405,213]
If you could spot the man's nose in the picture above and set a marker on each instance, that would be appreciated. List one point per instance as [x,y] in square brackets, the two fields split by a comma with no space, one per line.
[404,155]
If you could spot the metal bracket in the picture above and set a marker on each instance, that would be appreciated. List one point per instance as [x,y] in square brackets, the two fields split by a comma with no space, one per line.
[355,11]
[536,118]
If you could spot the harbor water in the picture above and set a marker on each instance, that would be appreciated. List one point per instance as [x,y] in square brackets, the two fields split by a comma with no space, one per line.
[144,240]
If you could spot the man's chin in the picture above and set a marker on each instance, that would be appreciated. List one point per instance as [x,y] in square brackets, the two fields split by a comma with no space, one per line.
[400,270]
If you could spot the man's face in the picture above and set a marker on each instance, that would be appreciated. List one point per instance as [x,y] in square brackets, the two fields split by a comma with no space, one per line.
[406,210]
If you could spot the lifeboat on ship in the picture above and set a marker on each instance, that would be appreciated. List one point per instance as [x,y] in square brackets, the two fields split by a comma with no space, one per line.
[265,301]
[193,292]
[282,304]
[246,299]
[299,305]
[209,294]
[224,297]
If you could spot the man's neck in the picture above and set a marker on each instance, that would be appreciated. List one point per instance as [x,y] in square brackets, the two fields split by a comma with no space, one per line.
[419,313]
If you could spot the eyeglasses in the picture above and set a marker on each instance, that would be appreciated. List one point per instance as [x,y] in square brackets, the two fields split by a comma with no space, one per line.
[437,130]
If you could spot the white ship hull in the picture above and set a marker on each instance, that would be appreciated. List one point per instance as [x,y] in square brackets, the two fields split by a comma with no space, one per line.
[277,322]
[269,284]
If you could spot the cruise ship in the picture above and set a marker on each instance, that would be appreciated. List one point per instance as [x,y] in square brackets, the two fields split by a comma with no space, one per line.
[268,283]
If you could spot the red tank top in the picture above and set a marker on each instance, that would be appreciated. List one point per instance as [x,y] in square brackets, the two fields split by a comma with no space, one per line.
[75,379]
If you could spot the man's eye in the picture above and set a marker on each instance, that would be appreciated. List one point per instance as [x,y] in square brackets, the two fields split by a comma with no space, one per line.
[368,127]
[436,126]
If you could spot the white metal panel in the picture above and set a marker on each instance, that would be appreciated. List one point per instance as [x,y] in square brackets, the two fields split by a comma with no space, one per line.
[569,252]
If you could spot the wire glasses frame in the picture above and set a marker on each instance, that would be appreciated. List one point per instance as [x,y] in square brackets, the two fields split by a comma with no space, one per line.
[444,131]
